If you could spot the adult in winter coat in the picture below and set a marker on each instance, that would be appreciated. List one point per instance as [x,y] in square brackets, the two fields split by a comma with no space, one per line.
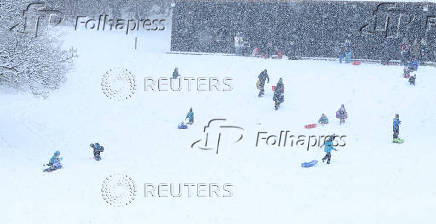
[396,126]
[341,114]
[97,149]
[412,80]
[263,76]
[328,147]
[239,44]
[176,73]
[55,162]
[279,94]
[190,116]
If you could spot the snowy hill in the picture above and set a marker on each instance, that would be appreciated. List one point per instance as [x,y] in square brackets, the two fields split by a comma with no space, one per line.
[370,180]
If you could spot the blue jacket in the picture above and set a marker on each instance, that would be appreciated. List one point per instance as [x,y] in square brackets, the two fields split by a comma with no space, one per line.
[396,124]
[328,146]
[323,120]
[190,116]
[54,158]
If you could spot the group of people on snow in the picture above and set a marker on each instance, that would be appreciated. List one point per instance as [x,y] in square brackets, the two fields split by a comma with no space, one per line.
[279,88]
[55,161]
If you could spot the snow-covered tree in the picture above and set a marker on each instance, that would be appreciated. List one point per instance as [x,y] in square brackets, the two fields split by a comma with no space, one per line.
[30,59]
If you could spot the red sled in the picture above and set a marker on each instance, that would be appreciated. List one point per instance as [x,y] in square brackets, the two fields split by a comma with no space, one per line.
[309,126]
[356,62]
[406,76]
[274,88]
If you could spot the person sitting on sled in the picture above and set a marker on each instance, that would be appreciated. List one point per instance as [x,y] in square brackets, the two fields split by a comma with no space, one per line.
[412,79]
[55,162]
[262,77]
[190,117]
[341,114]
[396,127]
[176,73]
[97,148]
[323,120]
[328,147]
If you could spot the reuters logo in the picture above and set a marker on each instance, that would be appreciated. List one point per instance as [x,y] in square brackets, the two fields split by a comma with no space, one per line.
[118,190]
[118,84]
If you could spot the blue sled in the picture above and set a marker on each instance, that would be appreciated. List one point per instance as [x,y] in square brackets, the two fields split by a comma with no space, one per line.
[309,164]
[182,126]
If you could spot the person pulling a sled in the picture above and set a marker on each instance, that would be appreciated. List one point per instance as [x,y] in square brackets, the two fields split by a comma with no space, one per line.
[328,147]
[323,120]
[279,94]
[396,129]
[190,117]
[55,162]
[412,79]
[97,148]
[263,76]
[341,114]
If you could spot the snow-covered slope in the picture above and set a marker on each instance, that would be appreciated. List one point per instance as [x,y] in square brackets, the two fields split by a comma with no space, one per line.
[370,180]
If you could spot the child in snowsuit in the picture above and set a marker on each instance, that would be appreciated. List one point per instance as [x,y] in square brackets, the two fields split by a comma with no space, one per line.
[278,94]
[190,117]
[323,120]
[341,114]
[396,127]
[54,162]
[328,147]
[97,150]
[176,73]
[263,76]
[412,80]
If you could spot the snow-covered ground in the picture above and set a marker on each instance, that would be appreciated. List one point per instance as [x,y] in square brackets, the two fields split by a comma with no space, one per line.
[370,180]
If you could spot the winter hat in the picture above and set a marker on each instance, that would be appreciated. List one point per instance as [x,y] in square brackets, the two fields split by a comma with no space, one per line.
[57,153]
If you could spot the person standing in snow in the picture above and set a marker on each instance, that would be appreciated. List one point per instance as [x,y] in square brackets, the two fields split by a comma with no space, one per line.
[176,73]
[341,114]
[97,149]
[328,147]
[396,127]
[190,117]
[412,79]
[54,162]
[239,43]
[262,77]
[279,94]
